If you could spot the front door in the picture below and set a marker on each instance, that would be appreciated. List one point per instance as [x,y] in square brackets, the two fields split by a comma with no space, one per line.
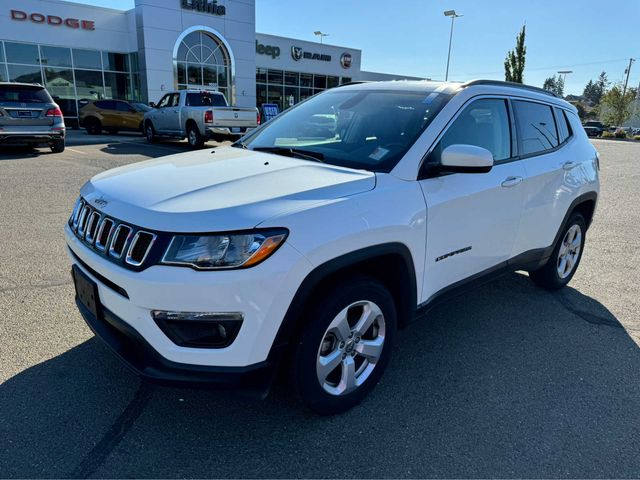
[472,218]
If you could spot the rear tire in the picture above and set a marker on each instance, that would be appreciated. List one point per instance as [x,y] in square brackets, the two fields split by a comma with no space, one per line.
[564,261]
[57,146]
[194,137]
[93,126]
[346,345]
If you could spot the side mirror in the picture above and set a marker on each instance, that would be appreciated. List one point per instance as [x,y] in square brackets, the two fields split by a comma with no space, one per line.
[153,105]
[466,159]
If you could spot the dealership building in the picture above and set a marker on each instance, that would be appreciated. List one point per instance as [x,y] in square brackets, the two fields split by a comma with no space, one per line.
[81,52]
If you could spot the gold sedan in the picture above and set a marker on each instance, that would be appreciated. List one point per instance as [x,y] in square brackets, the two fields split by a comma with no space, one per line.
[112,116]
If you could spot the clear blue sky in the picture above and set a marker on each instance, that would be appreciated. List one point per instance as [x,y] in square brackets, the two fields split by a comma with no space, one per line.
[411,36]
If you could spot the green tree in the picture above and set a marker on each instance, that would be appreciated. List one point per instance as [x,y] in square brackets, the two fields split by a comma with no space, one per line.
[514,63]
[554,84]
[615,108]
[593,91]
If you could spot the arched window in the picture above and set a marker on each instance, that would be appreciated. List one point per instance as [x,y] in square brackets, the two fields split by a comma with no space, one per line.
[203,61]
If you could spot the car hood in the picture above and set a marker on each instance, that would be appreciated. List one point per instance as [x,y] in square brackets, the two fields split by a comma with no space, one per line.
[224,189]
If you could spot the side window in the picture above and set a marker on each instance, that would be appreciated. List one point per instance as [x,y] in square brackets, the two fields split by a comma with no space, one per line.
[484,123]
[106,104]
[564,130]
[536,127]
[123,107]
[164,102]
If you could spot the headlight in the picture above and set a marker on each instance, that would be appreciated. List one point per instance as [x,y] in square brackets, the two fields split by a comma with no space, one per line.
[212,252]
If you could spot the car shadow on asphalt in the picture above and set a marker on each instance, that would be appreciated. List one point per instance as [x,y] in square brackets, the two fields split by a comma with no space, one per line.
[506,381]
[158,149]
[21,152]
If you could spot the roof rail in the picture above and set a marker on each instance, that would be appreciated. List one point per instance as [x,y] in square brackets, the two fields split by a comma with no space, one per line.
[354,82]
[501,83]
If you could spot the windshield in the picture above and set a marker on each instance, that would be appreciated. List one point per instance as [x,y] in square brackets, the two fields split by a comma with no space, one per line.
[24,94]
[365,129]
[141,107]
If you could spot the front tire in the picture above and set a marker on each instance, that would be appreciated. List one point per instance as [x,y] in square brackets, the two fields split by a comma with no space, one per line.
[564,261]
[346,345]
[194,137]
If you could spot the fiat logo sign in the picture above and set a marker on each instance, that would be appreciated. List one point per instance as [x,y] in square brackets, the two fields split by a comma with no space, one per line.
[345,60]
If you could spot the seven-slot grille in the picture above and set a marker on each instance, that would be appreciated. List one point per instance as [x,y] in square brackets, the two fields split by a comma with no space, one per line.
[110,237]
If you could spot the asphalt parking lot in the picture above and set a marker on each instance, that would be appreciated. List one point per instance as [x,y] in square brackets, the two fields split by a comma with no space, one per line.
[508,381]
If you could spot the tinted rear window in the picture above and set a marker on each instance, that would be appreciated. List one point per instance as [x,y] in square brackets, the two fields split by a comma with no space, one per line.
[24,94]
[563,125]
[536,127]
[105,104]
[205,100]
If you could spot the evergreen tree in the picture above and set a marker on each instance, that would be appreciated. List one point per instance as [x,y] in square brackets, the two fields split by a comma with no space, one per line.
[514,63]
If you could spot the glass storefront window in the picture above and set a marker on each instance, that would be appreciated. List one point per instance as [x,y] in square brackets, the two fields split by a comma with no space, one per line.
[319,81]
[116,62]
[1,53]
[210,76]
[59,83]
[261,75]
[261,94]
[133,61]
[182,73]
[291,96]
[3,72]
[306,79]
[25,73]
[194,74]
[305,93]
[274,95]
[117,85]
[87,59]
[345,80]
[55,56]
[275,76]
[332,81]
[89,85]
[22,53]
[291,78]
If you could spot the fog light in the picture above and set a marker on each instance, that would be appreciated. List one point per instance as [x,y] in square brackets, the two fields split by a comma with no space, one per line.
[199,329]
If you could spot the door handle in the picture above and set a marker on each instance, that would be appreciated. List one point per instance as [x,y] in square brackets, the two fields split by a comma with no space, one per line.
[512,182]
[569,165]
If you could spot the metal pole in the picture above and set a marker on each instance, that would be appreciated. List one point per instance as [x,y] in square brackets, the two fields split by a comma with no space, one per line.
[446,76]
[626,81]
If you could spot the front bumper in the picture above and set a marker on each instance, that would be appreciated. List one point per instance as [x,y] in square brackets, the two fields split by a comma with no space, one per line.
[262,294]
[141,357]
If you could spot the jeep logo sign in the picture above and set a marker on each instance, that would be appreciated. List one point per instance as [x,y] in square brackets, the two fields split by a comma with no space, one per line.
[269,50]
[54,20]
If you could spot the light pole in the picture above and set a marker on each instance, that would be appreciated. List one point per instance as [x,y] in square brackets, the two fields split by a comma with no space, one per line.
[318,33]
[453,15]
[564,74]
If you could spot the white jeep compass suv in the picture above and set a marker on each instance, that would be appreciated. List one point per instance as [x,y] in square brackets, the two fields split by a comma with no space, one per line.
[303,247]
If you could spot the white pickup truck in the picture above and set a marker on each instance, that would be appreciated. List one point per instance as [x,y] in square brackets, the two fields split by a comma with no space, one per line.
[198,116]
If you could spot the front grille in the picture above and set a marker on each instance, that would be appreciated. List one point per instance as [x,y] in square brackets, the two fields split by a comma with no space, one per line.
[117,241]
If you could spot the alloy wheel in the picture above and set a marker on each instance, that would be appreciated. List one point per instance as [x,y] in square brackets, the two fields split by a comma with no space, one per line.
[569,251]
[351,348]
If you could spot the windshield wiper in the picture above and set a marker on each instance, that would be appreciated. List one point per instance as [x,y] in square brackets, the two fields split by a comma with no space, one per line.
[293,152]
[239,144]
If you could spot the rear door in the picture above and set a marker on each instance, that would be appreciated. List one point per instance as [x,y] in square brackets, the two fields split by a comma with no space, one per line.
[472,218]
[110,117]
[546,143]
[24,106]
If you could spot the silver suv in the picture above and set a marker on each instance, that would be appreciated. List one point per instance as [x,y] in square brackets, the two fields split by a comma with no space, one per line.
[28,115]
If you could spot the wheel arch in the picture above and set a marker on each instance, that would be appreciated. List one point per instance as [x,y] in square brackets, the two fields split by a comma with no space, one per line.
[389,263]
